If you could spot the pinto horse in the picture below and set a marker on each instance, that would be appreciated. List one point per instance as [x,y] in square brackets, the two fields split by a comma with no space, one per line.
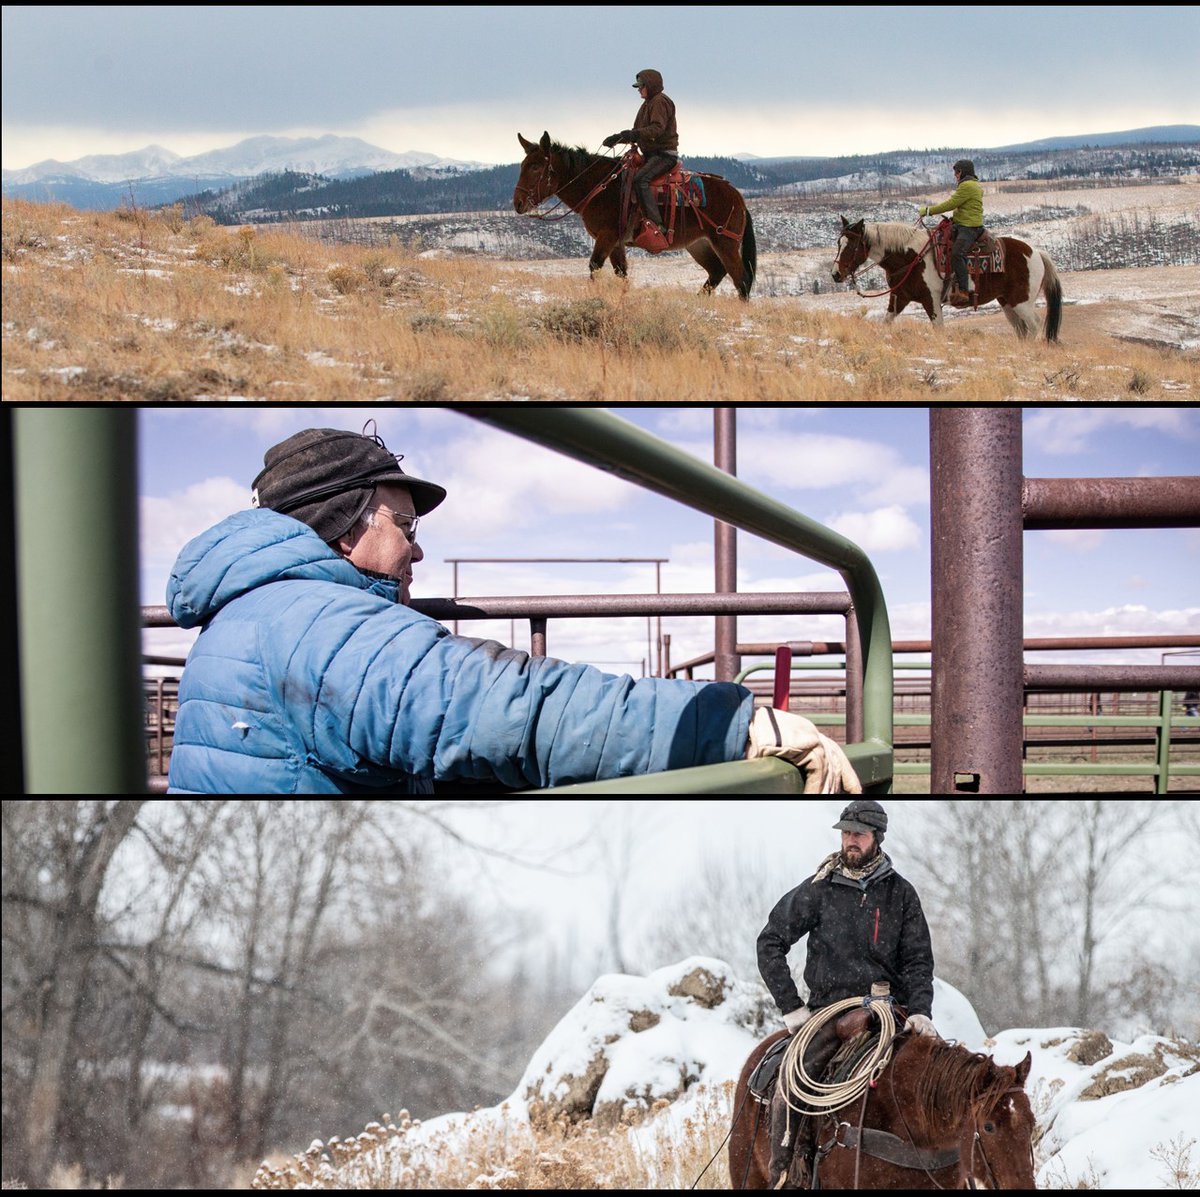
[968,1119]
[719,235]
[906,256]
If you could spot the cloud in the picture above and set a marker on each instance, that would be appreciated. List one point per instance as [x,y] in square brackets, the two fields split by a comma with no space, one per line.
[800,461]
[883,529]
[1072,431]
[539,486]
[167,524]
[1076,540]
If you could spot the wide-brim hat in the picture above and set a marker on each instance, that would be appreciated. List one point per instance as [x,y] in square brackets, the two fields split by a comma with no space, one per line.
[325,477]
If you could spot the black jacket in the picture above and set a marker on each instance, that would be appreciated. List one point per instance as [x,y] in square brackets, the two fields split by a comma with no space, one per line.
[858,932]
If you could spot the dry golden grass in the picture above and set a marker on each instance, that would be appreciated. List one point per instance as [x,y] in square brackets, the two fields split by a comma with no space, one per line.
[150,307]
[643,1152]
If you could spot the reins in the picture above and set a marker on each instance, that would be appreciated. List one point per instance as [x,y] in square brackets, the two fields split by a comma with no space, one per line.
[545,178]
[911,267]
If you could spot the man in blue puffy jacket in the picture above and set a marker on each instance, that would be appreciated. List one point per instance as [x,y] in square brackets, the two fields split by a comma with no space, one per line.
[312,675]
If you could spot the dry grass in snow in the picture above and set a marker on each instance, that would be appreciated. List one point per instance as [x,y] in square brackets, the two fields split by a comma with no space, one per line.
[148,307]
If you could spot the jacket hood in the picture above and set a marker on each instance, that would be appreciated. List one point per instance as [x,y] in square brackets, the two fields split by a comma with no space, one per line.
[653,81]
[251,549]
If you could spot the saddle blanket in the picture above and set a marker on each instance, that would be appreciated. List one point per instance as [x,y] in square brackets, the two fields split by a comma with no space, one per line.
[986,256]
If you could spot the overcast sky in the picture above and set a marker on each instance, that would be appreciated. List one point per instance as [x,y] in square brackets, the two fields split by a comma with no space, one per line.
[862,471]
[461,81]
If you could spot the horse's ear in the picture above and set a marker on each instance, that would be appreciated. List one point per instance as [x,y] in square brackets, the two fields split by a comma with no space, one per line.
[1024,1069]
[527,146]
[845,223]
[545,142]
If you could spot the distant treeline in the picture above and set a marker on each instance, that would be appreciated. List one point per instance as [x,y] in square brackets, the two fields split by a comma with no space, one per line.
[291,195]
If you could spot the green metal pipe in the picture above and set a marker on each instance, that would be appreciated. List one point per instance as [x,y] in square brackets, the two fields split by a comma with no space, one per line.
[601,439]
[1165,699]
[768,775]
[77,593]
[1071,770]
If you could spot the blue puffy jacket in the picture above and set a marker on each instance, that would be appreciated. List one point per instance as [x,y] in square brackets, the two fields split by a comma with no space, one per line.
[309,677]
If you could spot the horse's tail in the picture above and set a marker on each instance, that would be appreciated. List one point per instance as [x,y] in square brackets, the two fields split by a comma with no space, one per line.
[749,258]
[1053,288]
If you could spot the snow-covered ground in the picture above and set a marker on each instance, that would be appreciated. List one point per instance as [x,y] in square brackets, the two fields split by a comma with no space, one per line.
[1110,1115]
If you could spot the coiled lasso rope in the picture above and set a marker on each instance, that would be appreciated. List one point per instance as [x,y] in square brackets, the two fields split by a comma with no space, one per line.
[797,1086]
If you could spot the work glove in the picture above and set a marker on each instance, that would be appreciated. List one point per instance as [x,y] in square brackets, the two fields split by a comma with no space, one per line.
[922,211]
[796,1019]
[920,1025]
[612,141]
[796,739]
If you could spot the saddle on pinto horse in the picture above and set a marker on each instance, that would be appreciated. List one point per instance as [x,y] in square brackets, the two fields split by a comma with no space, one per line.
[986,256]
[673,191]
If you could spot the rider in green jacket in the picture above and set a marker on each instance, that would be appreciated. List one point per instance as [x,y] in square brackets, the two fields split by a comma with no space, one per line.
[967,205]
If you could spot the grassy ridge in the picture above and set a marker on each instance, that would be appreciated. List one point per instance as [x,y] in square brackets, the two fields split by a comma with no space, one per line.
[150,307]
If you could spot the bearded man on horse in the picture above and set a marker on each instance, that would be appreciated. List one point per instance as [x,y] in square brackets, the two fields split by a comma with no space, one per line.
[655,134]
[864,924]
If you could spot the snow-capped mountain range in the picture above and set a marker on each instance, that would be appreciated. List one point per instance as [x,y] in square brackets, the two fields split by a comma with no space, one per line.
[335,157]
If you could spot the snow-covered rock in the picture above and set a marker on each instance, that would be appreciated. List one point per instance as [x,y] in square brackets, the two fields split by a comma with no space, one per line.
[635,1040]
[1103,1107]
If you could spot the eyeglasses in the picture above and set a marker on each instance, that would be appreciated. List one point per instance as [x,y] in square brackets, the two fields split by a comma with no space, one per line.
[406,523]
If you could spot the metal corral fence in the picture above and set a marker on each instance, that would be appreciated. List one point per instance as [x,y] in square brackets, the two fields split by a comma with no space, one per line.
[598,438]
[980,507]
[81,702]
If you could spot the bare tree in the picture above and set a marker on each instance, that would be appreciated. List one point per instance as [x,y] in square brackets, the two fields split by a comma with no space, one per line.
[1010,883]
[75,843]
[720,911]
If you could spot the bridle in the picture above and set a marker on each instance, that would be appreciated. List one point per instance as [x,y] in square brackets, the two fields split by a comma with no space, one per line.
[543,181]
[847,236]
[903,278]
[976,1137]
[977,1142]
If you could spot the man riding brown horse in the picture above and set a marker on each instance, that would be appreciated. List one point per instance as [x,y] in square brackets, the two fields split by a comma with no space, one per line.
[864,924]
[655,134]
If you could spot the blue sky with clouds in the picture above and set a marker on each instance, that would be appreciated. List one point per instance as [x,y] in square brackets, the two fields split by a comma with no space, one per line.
[461,80]
[862,471]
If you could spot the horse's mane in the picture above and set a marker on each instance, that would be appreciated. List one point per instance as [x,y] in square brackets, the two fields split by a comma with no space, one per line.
[891,237]
[956,1079]
[576,159]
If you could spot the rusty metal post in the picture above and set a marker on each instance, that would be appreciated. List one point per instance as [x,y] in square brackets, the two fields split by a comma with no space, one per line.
[158,699]
[976,527]
[725,458]
[854,680]
[1166,502]
[537,636]
[658,622]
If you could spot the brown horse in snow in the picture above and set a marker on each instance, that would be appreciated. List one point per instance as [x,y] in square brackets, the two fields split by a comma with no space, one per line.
[959,1119]
[719,233]
[906,256]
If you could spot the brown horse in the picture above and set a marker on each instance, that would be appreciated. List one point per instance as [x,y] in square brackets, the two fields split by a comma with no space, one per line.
[933,1096]
[719,235]
[906,256]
